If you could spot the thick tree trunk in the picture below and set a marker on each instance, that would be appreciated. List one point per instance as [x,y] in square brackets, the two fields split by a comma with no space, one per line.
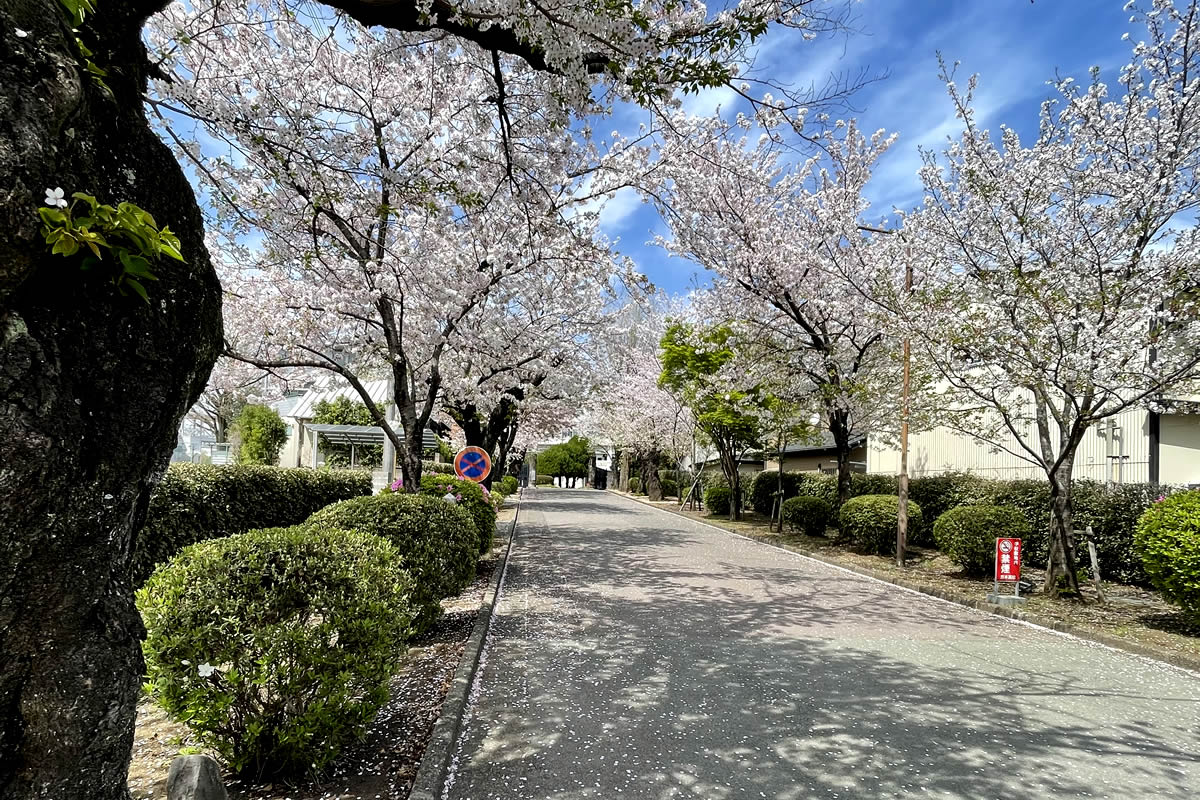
[650,482]
[626,464]
[1060,560]
[93,385]
[411,463]
[840,430]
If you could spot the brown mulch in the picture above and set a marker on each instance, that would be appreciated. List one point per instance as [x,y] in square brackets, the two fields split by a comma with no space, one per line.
[385,763]
[1136,615]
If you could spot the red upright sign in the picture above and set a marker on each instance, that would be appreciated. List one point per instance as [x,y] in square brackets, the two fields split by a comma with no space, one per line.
[1008,560]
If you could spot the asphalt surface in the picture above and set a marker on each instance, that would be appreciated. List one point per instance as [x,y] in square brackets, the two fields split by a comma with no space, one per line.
[637,654]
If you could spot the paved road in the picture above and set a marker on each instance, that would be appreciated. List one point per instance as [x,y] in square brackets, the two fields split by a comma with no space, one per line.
[640,655]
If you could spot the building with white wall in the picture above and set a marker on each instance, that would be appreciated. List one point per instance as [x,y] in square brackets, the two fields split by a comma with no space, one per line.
[1135,446]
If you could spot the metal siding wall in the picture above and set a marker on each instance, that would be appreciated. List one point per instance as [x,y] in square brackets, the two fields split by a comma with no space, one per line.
[1180,448]
[943,450]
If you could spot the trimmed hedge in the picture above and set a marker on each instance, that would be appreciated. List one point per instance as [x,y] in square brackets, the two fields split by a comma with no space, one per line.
[276,647]
[437,468]
[1168,540]
[761,492]
[436,541]
[670,488]
[869,521]
[508,485]
[968,534]
[635,485]
[543,480]
[471,497]
[808,514]
[717,499]
[1112,512]
[194,502]
[937,494]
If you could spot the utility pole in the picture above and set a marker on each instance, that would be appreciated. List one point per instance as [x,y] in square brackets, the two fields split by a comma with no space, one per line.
[902,483]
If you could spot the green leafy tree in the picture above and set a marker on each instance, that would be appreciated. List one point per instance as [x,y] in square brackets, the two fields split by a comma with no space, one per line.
[570,459]
[692,360]
[344,411]
[262,433]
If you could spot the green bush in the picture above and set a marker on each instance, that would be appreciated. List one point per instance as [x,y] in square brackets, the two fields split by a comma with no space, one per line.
[543,480]
[1113,513]
[436,540]
[861,484]
[194,502]
[808,514]
[937,494]
[815,484]
[1168,541]
[670,488]
[868,522]
[717,500]
[762,488]
[262,432]
[635,485]
[276,646]
[470,496]
[437,467]
[509,484]
[967,534]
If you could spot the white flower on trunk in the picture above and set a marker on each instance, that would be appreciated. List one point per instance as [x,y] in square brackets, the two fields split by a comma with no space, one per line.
[54,198]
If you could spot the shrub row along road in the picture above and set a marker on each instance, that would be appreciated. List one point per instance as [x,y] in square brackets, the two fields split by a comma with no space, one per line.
[637,654]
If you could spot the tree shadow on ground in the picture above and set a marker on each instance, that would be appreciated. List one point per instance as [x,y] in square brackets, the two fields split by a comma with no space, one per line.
[653,663]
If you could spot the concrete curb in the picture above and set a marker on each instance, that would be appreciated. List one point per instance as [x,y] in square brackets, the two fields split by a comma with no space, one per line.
[431,774]
[1174,659]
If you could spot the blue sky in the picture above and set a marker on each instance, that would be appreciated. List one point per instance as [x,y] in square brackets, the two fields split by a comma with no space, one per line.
[1014,45]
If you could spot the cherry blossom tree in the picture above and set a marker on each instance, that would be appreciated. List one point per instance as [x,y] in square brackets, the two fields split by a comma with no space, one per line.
[629,410]
[86,362]
[1060,273]
[396,242]
[795,273]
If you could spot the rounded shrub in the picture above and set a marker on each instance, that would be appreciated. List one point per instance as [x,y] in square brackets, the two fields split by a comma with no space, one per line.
[509,485]
[543,480]
[276,646]
[808,514]
[635,485]
[967,534]
[670,488]
[435,540]
[470,496]
[717,499]
[868,522]
[1168,540]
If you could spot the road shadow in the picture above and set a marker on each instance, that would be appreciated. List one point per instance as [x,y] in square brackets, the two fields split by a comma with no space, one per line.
[618,667]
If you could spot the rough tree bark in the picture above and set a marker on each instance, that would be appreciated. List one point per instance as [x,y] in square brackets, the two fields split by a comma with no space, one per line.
[650,459]
[840,429]
[93,385]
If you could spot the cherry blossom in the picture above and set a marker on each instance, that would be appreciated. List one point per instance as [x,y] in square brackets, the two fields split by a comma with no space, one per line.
[1057,277]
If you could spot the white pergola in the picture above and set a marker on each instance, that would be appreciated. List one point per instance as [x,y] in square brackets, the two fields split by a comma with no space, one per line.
[356,436]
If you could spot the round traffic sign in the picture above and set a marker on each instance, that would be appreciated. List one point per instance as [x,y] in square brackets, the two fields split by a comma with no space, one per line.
[472,463]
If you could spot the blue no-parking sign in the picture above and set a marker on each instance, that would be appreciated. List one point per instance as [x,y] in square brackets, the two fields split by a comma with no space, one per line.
[472,463]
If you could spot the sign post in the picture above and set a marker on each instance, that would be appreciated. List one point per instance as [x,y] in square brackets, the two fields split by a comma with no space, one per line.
[472,464]
[1008,570]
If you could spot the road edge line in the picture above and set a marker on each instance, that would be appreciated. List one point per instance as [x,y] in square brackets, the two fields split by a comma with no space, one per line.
[439,750]
[1184,664]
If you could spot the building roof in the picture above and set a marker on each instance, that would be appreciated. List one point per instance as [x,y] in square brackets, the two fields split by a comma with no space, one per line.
[826,444]
[305,407]
[362,434]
